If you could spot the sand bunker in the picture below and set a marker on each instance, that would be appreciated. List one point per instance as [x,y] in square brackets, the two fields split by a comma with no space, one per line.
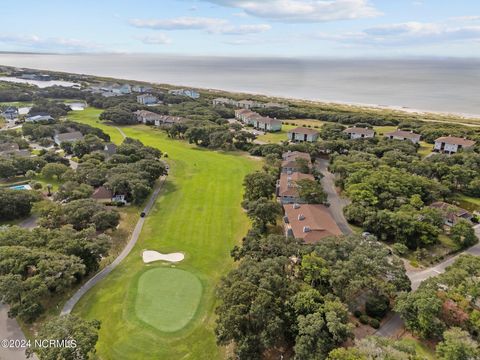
[151,256]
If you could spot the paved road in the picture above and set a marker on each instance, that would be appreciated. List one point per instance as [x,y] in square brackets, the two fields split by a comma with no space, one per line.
[336,202]
[70,304]
[393,326]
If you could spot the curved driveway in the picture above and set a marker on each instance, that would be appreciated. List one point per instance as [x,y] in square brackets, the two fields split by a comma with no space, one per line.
[70,304]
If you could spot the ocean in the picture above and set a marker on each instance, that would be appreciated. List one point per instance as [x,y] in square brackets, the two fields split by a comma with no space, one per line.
[441,85]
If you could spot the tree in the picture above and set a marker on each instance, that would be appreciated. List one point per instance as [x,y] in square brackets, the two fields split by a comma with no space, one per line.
[311,192]
[263,212]
[86,212]
[119,115]
[457,345]
[7,168]
[81,336]
[421,311]
[52,170]
[258,185]
[72,190]
[303,165]
[463,234]
[315,272]
[15,204]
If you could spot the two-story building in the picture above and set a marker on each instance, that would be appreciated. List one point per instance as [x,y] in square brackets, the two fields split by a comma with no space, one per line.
[287,188]
[267,124]
[404,135]
[185,92]
[147,99]
[359,132]
[452,144]
[303,134]
[290,163]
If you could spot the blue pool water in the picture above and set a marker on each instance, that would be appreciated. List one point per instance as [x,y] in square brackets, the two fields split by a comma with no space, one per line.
[21,187]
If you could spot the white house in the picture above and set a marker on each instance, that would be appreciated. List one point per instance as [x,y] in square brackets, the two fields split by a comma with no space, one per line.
[141,88]
[224,101]
[267,124]
[247,104]
[403,135]
[452,144]
[185,92]
[359,132]
[147,99]
[122,89]
[301,134]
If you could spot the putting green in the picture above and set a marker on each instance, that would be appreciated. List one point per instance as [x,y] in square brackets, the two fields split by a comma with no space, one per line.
[167,298]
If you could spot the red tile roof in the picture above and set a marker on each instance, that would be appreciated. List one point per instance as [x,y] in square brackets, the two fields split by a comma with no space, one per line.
[287,183]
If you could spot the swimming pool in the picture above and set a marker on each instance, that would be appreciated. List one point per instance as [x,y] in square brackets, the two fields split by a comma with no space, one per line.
[21,187]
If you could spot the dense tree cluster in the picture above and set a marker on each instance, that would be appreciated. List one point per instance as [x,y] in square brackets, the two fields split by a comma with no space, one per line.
[37,264]
[15,204]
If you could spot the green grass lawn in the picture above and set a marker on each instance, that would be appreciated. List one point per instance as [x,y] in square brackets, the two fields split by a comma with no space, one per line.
[382,130]
[276,137]
[425,149]
[198,213]
[167,298]
[467,202]
[90,116]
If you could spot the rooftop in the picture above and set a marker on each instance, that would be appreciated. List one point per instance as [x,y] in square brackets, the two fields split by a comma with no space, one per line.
[359,130]
[303,130]
[403,133]
[70,136]
[456,141]
[311,223]
[287,183]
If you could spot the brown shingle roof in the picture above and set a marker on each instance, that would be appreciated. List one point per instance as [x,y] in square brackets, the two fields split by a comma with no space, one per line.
[456,141]
[303,130]
[102,193]
[294,155]
[310,223]
[359,130]
[287,183]
[405,134]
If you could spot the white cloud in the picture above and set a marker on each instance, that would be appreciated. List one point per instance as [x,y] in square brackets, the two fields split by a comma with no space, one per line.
[467,18]
[405,34]
[155,39]
[304,10]
[211,25]
[35,42]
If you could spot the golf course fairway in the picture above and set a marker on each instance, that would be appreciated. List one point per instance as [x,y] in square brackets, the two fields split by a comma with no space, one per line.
[197,213]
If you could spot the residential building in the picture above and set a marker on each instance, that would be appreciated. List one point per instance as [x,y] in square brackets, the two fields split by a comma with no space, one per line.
[68,137]
[224,101]
[38,118]
[123,89]
[301,134]
[147,117]
[10,112]
[247,104]
[266,124]
[102,195]
[147,99]
[452,144]
[287,188]
[310,223]
[359,132]
[290,163]
[141,88]
[451,213]
[185,92]
[404,135]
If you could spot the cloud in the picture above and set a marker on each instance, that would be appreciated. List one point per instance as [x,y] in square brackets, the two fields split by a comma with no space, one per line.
[36,42]
[466,18]
[211,25]
[406,34]
[304,10]
[155,39]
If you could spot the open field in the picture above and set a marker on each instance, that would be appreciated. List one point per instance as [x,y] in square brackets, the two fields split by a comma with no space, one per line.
[198,213]
[276,137]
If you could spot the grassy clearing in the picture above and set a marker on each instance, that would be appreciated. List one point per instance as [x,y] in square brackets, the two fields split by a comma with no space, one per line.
[469,203]
[382,130]
[276,137]
[422,350]
[425,149]
[90,116]
[167,298]
[198,213]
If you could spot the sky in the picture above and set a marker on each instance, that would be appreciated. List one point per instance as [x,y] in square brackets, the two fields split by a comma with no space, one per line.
[278,28]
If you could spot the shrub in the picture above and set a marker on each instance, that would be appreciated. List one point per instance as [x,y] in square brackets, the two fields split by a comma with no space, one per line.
[357,313]
[364,319]
[36,185]
[377,306]
[400,249]
[374,323]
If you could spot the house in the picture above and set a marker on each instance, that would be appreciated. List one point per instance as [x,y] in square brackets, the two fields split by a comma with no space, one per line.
[404,135]
[287,189]
[102,195]
[301,134]
[248,117]
[451,213]
[266,124]
[185,92]
[290,163]
[168,120]
[38,118]
[224,101]
[247,104]
[68,137]
[141,88]
[359,132]
[310,223]
[10,113]
[452,144]
[147,117]
[147,99]
[124,89]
